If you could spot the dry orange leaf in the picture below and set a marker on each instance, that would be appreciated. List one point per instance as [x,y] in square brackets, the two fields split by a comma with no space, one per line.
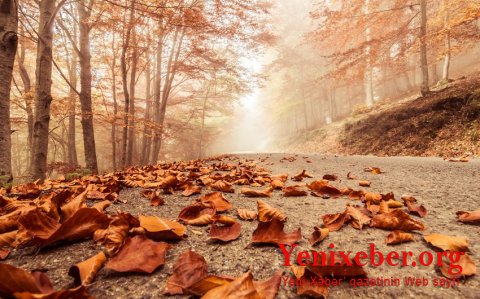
[194,211]
[16,280]
[313,290]
[267,213]
[206,284]
[113,236]
[256,193]
[202,220]
[396,220]
[4,253]
[357,217]
[318,235]
[339,269]
[397,237]
[322,189]
[364,183]
[330,177]
[157,228]
[222,186]
[334,222]
[292,191]
[215,200]
[101,206]
[272,233]
[140,255]
[277,184]
[412,207]
[245,214]
[300,176]
[466,262]
[189,269]
[445,242]
[84,272]
[191,190]
[469,217]
[225,233]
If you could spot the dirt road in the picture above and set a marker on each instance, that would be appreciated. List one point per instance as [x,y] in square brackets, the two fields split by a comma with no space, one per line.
[442,187]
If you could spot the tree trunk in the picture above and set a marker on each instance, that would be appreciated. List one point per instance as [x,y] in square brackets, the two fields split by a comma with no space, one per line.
[123,62]
[170,76]
[43,89]
[369,92]
[115,109]
[28,97]
[146,130]
[131,109]
[448,47]
[423,47]
[72,74]
[8,49]
[157,95]
[84,13]
[202,128]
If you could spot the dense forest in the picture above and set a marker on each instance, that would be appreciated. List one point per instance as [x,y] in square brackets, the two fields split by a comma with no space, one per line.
[91,86]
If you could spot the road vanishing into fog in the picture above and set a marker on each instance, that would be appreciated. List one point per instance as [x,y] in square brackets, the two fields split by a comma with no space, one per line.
[442,187]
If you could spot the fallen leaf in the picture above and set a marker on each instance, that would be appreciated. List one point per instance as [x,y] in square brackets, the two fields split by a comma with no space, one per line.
[313,290]
[300,176]
[318,235]
[101,206]
[202,220]
[340,268]
[245,214]
[215,200]
[374,170]
[139,255]
[225,233]
[357,217]
[444,242]
[113,236]
[222,219]
[466,262]
[469,217]
[194,211]
[15,280]
[8,239]
[4,253]
[397,237]
[222,186]
[84,272]
[396,220]
[242,287]
[268,288]
[189,269]
[76,293]
[292,191]
[330,177]
[157,228]
[334,222]
[154,197]
[272,233]
[364,183]
[298,271]
[191,190]
[350,176]
[256,193]
[267,213]
[277,184]
[201,287]
[323,189]
[420,210]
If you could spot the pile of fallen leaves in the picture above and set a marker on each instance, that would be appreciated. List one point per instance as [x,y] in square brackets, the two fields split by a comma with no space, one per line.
[44,215]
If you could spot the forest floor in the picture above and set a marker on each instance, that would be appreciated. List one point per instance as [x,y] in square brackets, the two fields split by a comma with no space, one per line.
[445,123]
[442,187]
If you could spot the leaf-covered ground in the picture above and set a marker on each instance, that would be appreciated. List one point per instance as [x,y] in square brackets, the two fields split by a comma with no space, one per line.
[442,187]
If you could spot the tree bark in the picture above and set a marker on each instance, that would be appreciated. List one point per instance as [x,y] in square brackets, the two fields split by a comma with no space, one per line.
[423,47]
[115,109]
[448,47]
[146,130]
[8,49]
[43,89]
[123,62]
[133,81]
[157,94]
[84,13]
[73,78]
[28,97]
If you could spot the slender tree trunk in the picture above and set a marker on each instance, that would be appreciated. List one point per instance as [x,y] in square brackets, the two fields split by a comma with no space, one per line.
[157,96]
[133,81]
[369,92]
[8,49]
[28,97]
[170,76]
[202,128]
[43,89]
[123,62]
[115,109]
[148,107]
[73,78]
[84,12]
[448,47]
[423,48]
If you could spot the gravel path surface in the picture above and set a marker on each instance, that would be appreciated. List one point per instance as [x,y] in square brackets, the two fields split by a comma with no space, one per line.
[442,187]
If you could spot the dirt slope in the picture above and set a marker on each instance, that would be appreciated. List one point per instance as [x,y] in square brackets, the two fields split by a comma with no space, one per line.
[445,123]
[442,187]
